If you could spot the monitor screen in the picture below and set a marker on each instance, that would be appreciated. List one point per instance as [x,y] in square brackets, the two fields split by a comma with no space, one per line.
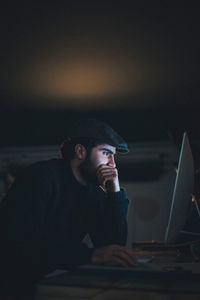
[182,193]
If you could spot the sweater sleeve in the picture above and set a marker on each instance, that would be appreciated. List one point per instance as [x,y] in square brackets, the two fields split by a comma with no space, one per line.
[108,224]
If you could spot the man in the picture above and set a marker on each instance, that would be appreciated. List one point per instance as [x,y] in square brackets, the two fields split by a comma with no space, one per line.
[54,204]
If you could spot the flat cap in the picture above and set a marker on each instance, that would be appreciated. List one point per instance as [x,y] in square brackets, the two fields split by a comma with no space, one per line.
[98,131]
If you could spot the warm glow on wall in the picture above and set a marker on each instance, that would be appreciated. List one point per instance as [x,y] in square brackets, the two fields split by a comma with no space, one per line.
[79,79]
[99,71]
[83,79]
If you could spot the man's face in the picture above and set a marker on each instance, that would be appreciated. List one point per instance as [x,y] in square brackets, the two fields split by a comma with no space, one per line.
[100,155]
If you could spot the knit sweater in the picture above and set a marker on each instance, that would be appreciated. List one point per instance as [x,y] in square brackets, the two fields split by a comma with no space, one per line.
[47,213]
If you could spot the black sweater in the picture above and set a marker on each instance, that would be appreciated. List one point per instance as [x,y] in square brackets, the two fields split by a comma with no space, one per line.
[47,213]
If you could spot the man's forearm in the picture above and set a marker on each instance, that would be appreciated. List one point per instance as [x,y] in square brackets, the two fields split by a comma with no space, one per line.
[117,213]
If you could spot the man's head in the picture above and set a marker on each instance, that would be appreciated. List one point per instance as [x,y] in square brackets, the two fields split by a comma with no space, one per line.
[92,143]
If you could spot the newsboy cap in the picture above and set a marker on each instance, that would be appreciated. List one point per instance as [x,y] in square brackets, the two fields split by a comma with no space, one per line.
[99,132]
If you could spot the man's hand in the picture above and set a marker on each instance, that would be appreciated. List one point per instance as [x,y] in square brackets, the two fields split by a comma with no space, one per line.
[113,255]
[108,178]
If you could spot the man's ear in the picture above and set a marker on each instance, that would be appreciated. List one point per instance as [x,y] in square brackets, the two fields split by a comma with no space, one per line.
[80,152]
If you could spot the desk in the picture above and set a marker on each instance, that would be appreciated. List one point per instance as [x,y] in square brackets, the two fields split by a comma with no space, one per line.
[120,284]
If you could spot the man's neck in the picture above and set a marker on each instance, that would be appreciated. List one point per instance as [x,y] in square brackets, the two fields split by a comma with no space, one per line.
[76,172]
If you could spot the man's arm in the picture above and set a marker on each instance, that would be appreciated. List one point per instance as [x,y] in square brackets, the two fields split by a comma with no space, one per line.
[108,228]
[108,231]
[111,205]
[107,222]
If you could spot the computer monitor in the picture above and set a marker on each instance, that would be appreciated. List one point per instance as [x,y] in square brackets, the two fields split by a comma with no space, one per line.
[182,192]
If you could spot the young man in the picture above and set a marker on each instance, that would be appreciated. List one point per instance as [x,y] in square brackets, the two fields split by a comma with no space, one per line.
[54,204]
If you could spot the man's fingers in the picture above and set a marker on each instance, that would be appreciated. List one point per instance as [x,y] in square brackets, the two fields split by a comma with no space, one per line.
[114,254]
[104,168]
[125,254]
[122,255]
[127,250]
[118,261]
[107,174]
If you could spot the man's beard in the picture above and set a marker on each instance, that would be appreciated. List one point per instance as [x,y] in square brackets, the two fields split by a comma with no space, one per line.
[88,171]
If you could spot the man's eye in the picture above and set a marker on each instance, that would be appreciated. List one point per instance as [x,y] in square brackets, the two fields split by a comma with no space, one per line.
[105,153]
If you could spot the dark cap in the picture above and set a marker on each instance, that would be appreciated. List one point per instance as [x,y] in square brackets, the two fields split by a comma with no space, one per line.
[99,132]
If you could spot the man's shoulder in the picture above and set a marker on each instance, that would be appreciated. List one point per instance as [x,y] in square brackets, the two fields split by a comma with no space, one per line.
[46,164]
[46,168]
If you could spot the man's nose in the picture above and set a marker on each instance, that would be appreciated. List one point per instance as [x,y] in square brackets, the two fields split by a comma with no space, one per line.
[111,161]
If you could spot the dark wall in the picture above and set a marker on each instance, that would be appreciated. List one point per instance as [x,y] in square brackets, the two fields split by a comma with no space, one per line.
[35,127]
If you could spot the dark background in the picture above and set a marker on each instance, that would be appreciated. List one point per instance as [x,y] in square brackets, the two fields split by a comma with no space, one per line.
[134,65]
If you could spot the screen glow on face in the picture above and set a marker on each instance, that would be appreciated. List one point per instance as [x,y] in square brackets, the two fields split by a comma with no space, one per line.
[103,154]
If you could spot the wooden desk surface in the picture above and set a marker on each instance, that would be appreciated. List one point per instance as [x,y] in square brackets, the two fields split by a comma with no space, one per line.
[121,284]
